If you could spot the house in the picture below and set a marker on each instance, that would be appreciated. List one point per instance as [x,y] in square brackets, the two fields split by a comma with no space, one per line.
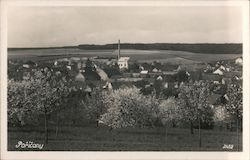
[216,82]
[55,63]
[108,86]
[155,70]
[144,73]
[159,78]
[239,61]
[227,69]
[218,71]
[75,59]
[88,89]
[26,66]
[179,68]
[176,85]
[58,73]
[123,62]
[166,85]
[169,72]
[68,67]
[222,68]
[136,75]
[79,77]
[141,68]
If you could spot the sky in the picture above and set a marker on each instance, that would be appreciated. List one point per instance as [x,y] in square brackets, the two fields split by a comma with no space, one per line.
[66,26]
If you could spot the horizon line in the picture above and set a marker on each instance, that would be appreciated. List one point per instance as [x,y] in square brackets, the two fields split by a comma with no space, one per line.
[73,46]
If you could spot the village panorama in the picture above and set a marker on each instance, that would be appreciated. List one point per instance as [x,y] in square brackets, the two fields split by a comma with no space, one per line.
[126,97]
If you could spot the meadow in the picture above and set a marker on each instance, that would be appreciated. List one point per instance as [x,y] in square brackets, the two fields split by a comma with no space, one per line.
[168,56]
[126,139]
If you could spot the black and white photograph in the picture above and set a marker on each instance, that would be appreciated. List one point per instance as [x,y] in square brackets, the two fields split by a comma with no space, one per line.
[125,78]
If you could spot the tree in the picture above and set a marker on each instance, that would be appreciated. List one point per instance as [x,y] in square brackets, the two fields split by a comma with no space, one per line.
[194,103]
[127,107]
[90,71]
[181,76]
[93,106]
[234,105]
[112,70]
[39,95]
[134,67]
[220,115]
[21,106]
[169,113]
[89,66]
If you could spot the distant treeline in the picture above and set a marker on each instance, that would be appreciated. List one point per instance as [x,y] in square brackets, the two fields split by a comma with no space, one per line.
[31,48]
[227,48]
[213,48]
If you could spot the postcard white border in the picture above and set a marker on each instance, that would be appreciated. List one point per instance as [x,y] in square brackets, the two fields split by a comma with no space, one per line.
[123,155]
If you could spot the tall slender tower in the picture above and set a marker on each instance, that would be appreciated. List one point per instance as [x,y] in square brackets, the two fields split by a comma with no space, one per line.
[118,50]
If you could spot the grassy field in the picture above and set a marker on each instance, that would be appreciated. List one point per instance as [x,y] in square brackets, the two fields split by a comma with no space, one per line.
[129,139]
[139,55]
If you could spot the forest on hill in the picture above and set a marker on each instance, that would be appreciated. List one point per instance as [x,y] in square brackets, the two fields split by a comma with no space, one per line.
[211,48]
[227,48]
